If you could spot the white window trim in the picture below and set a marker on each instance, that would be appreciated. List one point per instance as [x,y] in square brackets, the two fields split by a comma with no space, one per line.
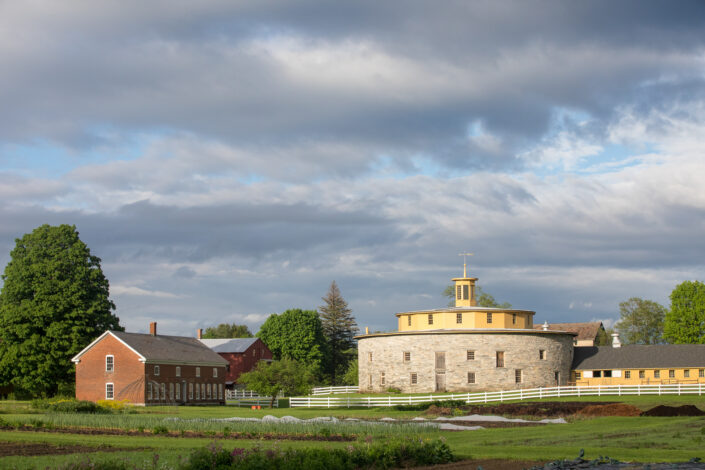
[215,372]
[157,370]
[112,365]
[112,391]
[178,371]
[198,371]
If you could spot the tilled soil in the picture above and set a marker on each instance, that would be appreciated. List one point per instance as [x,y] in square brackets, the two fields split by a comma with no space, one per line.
[8,449]
[532,409]
[613,409]
[663,410]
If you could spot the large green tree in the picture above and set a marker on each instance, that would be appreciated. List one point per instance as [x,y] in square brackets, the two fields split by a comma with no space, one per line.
[286,376]
[484,299]
[296,334]
[339,328]
[685,322]
[54,301]
[640,321]
[227,330]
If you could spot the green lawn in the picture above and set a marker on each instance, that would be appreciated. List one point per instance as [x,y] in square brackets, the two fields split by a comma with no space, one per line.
[637,439]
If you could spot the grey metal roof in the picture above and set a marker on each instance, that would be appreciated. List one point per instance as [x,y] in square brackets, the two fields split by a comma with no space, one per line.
[229,345]
[634,356]
[162,348]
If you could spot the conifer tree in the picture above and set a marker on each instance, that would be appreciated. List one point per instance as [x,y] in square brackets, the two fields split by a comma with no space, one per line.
[339,327]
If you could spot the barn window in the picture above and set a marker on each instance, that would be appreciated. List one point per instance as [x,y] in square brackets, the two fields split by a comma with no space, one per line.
[215,372]
[414,378]
[430,319]
[489,317]
[671,374]
[657,374]
[597,373]
[627,374]
[500,358]
[408,320]
[198,371]
[577,376]
[517,376]
[642,374]
[542,354]
[178,371]
[156,370]
[109,363]
[514,318]
[109,391]
[701,372]
[407,356]
[471,377]
[458,318]
[470,355]
[686,373]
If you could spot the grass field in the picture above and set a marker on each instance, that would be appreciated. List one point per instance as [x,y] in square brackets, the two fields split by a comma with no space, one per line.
[642,439]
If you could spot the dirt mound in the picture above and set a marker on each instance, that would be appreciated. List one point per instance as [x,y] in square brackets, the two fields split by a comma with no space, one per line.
[663,410]
[438,410]
[613,409]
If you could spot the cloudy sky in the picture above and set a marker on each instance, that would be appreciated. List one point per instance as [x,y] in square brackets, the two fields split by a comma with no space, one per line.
[227,160]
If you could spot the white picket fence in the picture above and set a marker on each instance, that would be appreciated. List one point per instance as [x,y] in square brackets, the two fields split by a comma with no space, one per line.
[334,390]
[238,394]
[499,396]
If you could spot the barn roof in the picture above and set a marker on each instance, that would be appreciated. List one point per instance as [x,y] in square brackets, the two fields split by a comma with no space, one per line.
[585,330]
[163,349]
[639,356]
[230,345]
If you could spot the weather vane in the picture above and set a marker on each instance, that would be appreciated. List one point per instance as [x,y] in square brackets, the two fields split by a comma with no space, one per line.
[465,264]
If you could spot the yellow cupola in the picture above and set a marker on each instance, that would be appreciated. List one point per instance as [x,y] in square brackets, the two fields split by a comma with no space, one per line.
[465,287]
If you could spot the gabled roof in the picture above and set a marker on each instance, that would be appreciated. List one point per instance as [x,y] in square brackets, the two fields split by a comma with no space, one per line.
[639,356]
[585,331]
[163,349]
[230,345]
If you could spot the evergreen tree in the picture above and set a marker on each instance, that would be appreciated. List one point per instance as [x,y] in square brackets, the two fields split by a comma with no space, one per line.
[53,303]
[339,327]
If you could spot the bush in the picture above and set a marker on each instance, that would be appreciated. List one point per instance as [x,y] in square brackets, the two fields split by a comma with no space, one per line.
[123,406]
[69,405]
[393,390]
[395,453]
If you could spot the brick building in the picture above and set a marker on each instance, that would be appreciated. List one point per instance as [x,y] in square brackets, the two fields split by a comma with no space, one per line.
[242,355]
[150,369]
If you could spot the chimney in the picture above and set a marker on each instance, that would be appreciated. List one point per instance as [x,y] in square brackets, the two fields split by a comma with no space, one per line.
[615,341]
[199,333]
[544,327]
[367,330]
[153,328]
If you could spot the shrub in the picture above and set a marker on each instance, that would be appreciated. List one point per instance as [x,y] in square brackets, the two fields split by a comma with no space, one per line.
[393,390]
[69,405]
[160,429]
[116,405]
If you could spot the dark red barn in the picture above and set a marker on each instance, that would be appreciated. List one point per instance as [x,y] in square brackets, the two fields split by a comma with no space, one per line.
[241,353]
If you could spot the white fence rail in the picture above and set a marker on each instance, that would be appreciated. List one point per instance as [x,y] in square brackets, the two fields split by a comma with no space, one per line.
[238,394]
[500,396]
[334,390]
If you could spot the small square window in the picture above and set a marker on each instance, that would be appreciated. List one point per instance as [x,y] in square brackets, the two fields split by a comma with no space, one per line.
[414,378]
[671,374]
[109,363]
[178,371]
[109,391]
[642,374]
[470,355]
[198,371]
[471,377]
[686,373]
[597,373]
[156,370]
[458,318]
[407,356]
[517,376]
[215,372]
[627,374]
[542,354]
[489,317]
[657,374]
[607,373]
[430,319]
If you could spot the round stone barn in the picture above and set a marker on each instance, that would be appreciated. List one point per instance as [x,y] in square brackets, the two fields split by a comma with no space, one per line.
[465,348]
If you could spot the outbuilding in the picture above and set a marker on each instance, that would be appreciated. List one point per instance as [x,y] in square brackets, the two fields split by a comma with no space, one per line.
[242,355]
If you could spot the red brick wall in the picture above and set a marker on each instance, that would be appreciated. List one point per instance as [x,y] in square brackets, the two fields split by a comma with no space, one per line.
[245,362]
[131,378]
[127,376]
